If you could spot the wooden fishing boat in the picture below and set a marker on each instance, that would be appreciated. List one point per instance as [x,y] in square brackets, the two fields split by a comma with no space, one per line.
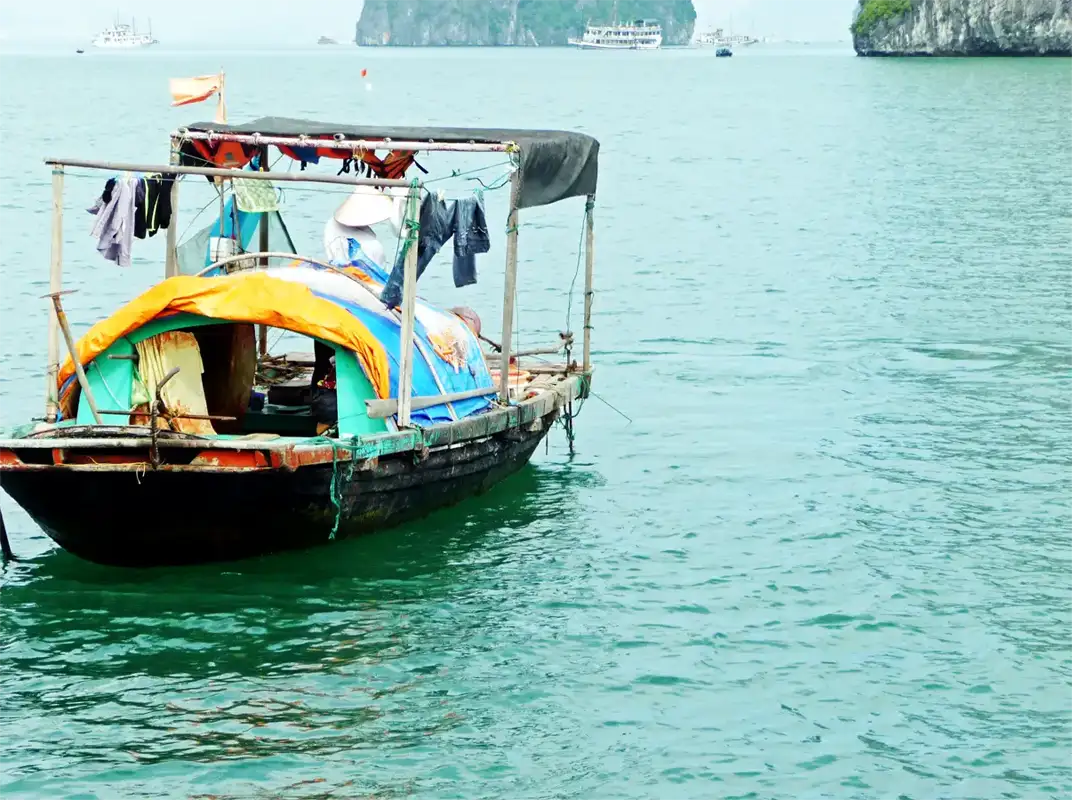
[141,461]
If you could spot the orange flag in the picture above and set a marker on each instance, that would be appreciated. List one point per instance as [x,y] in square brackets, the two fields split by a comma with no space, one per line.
[193,90]
[185,91]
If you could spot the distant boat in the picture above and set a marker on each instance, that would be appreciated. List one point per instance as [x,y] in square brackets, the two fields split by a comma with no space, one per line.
[123,36]
[717,38]
[80,51]
[641,34]
[723,52]
[326,40]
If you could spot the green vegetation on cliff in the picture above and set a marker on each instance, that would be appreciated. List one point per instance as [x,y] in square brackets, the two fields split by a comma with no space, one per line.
[873,12]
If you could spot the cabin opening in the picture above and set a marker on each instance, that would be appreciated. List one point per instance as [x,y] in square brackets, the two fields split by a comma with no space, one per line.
[316,389]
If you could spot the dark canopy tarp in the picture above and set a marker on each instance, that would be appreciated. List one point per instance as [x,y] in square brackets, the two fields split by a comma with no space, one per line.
[554,164]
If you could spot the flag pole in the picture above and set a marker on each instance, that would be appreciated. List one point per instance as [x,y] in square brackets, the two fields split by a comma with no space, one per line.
[221,104]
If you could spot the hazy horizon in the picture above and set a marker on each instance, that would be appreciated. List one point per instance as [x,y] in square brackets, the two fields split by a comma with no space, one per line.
[275,22]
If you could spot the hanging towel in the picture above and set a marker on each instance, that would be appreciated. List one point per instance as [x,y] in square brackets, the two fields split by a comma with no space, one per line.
[114,228]
[255,197]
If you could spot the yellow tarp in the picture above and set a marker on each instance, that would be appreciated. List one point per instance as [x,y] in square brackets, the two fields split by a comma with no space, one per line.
[244,297]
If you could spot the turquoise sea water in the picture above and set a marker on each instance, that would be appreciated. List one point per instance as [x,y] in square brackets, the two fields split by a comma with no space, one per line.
[828,557]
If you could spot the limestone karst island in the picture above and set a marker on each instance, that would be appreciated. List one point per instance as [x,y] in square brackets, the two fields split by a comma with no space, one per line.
[962,28]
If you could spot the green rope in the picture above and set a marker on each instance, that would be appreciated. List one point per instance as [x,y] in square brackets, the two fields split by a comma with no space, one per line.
[336,498]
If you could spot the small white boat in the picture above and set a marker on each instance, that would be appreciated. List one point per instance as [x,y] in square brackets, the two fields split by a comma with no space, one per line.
[640,34]
[124,37]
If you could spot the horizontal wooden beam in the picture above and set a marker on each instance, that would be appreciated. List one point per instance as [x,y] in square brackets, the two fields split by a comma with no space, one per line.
[215,172]
[338,142]
[380,409]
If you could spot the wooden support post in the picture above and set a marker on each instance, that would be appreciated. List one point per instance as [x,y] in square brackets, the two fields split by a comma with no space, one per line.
[55,280]
[589,267]
[5,545]
[262,330]
[509,288]
[171,263]
[409,306]
[61,320]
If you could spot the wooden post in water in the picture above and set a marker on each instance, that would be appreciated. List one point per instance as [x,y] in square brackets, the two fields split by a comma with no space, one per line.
[409,307]
[589,268]
[262,330]
[55,280]
[509,288]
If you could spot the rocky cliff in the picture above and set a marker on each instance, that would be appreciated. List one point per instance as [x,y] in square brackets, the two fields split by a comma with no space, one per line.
[510,22]
[963,28]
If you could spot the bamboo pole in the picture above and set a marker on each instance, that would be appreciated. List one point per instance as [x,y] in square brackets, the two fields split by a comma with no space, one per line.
[87,394]
[589,268]
[262,330]
[509,288]
[379,409]
[344,144]
[55,280]
[409,303]
[215,172]
[171,262]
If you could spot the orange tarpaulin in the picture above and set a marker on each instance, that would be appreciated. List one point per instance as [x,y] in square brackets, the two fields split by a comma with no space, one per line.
[245,297]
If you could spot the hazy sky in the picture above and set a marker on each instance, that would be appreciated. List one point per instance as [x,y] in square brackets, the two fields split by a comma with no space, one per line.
[282,21]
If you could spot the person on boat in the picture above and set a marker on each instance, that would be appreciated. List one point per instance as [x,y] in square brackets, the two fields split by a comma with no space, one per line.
[348,233]
[325,405]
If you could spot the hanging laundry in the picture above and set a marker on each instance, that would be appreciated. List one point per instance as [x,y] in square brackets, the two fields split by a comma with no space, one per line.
[440,220]
[152,203]
[114,228]
[255,197]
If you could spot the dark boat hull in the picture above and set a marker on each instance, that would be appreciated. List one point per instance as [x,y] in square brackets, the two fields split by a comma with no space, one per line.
[159,518]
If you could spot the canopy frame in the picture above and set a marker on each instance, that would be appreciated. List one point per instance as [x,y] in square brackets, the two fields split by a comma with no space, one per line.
[401,405]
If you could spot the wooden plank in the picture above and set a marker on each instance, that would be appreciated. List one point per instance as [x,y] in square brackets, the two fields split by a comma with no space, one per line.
[55,281]
[589,269]
[509,288]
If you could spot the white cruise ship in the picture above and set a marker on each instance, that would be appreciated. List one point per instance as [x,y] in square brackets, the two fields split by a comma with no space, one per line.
[122,36]
[640,34]
[717,38]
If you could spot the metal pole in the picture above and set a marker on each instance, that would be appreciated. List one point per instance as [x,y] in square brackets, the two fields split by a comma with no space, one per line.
[55,279]
[409,304]
[87,395]
[509,288]
[589,267]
